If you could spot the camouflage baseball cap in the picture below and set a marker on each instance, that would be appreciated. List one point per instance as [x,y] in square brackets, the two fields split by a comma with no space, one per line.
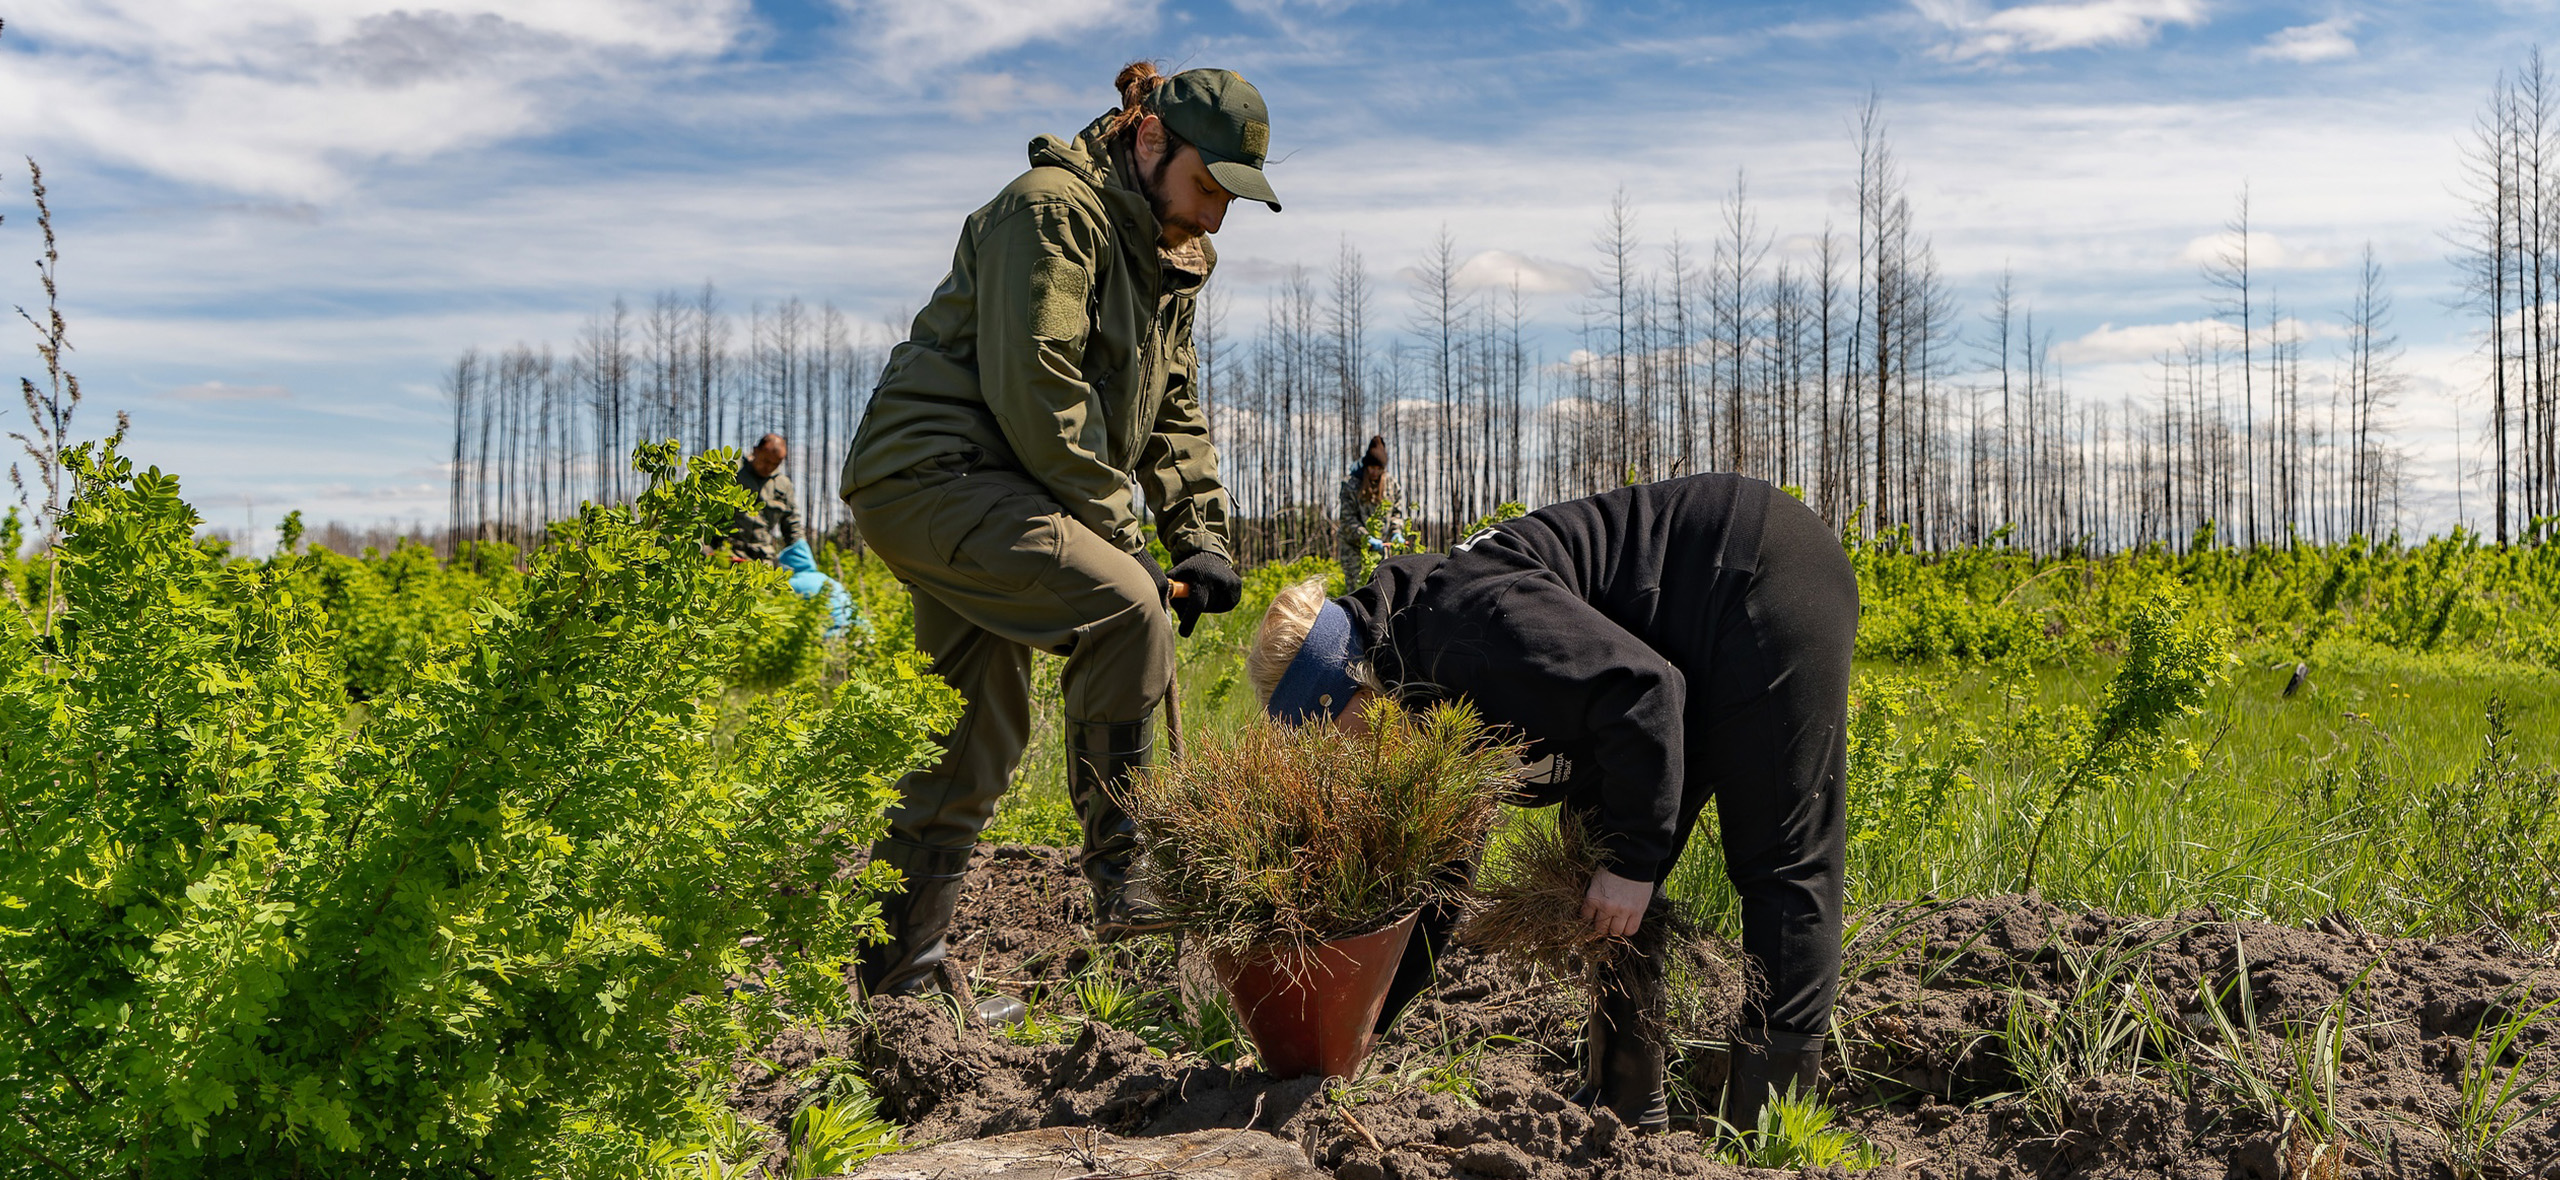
[1222,115]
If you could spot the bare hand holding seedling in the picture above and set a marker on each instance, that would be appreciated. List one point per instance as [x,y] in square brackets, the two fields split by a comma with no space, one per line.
[1615,905]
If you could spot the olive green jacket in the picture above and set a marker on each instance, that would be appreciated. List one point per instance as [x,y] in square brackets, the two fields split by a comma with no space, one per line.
[761,533]
[1060,346]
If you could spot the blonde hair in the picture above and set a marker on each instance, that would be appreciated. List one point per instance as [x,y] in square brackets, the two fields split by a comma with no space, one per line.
[1282,632]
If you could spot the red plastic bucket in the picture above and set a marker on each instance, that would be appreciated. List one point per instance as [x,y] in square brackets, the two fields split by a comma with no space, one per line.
[1315,1010]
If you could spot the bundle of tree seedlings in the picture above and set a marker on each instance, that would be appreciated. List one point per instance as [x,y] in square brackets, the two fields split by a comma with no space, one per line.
[1279,835]
[1528,907]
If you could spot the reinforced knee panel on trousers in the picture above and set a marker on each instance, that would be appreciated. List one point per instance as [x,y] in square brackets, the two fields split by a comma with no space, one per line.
[1103,756]
[919,919]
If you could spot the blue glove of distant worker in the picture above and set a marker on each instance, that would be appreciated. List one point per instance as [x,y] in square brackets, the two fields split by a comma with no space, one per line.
[807,582]
[1377,544]
[1215,588]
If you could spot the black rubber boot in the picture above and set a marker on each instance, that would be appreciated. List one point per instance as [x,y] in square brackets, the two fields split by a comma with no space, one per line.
[919,919]
[1102,757]
[1623,1047]
[1767,1062]
[1432,933]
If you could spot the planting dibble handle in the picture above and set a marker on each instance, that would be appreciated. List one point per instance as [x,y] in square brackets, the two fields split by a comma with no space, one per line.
[1315,1010]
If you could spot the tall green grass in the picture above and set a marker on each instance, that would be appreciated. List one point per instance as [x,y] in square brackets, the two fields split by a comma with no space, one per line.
[2346,797]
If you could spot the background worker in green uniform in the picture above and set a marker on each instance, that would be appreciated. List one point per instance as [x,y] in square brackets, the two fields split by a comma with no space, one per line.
[1363,490]
[993,473]
[761,533]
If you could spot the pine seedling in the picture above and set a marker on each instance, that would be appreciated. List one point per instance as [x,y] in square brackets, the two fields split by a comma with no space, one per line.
[829,1137]
[1796,1132]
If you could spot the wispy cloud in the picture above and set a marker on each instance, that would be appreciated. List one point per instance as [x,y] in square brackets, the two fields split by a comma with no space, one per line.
[2142,343]
[2329,40]
[1497,270]
[288,97]
[977,96]
[216,391]
[1984,33]
[2266,252]
[911,38]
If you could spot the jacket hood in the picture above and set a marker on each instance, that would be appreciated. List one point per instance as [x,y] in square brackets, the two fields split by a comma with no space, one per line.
[1085,155]
[1090,158]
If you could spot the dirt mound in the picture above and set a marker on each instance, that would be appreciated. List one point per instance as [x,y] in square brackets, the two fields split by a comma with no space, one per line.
[2015,1035]
[1983,1038]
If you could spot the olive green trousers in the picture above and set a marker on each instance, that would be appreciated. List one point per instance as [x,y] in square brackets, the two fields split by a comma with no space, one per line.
[997,568]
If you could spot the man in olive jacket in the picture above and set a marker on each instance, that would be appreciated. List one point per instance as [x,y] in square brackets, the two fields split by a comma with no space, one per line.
[993,473]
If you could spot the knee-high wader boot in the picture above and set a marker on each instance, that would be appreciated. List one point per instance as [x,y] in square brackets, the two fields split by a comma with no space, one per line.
[919,919]
[1626,1045]
[1102,758]
[919,922]
[1766,1064]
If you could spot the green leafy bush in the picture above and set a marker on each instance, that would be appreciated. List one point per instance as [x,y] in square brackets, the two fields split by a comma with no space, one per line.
[2172,659]
[487,927]
[1906,765]
[399,611]
[2485,847]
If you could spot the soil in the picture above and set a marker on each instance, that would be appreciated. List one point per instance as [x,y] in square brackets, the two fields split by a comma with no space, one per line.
[1474,1080]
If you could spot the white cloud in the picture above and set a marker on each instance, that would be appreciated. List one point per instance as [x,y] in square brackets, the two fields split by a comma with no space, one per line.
[2325,41]
[2143,343]
[289,97]
[909,38]
[2050,27]
[216,391]
[1496,270]
[977,96]
[2133,342]
[2266,252]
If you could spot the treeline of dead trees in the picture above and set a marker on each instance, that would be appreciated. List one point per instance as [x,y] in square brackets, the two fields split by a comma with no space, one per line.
[1838,363]
[2509,250]
[536,431]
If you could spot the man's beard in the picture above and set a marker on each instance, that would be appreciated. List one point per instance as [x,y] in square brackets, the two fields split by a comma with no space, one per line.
[1175,230]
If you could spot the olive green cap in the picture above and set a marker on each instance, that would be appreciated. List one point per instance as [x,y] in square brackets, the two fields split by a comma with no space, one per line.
[1222,115]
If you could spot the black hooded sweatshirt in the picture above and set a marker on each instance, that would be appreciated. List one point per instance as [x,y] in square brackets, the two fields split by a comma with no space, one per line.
[1573,625]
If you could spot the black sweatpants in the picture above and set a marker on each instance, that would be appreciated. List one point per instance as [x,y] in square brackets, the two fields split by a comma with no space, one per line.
[1767,738]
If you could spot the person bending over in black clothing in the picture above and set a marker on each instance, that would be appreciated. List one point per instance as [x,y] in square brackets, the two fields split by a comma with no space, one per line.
[1657,646]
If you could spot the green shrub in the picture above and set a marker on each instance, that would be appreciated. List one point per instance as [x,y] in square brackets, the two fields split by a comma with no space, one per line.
[2485,847]
[397,612]
[2172,658]
[487,928]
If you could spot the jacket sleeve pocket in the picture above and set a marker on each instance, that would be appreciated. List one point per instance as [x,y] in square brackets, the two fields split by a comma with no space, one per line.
[1059,291]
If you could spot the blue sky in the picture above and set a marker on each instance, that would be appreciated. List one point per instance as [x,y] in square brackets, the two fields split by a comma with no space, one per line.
[281,218]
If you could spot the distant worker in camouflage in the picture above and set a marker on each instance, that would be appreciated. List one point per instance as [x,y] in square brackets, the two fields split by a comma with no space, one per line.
[1367,487]
[762,532]
[993,472]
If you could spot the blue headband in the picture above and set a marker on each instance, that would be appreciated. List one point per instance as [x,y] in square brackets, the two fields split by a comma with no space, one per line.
[1318,683]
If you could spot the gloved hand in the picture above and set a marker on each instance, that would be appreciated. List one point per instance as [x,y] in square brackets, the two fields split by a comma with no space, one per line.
[1216,588]
[1377,545]
[1164,582]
